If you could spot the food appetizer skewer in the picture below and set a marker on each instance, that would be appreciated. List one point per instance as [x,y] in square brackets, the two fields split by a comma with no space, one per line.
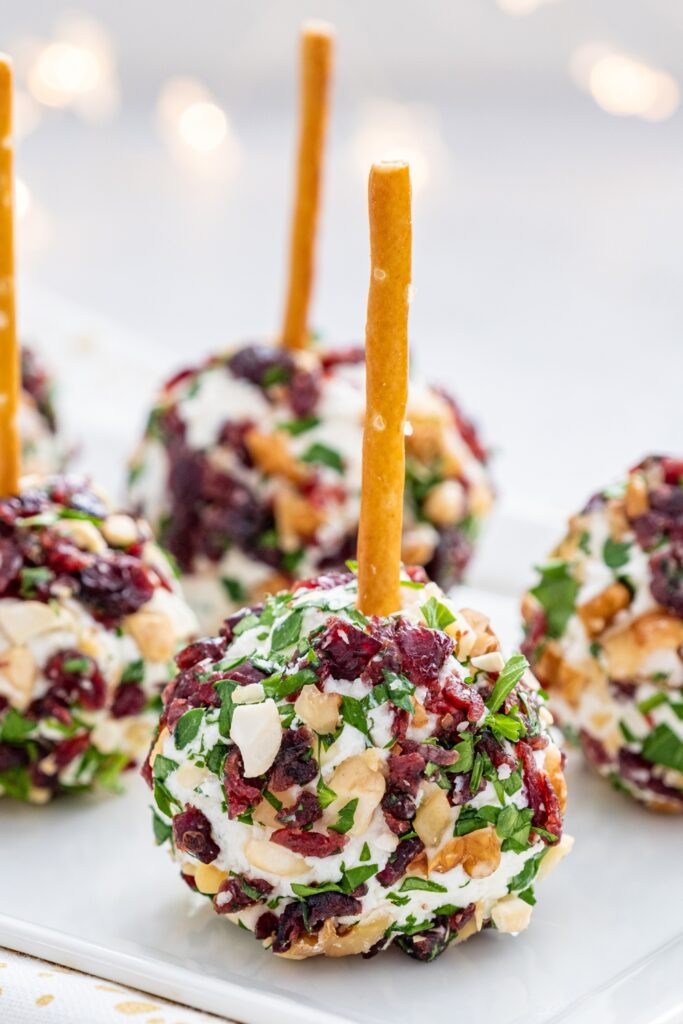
[90,614]
[250,467]
[353,764]
[604,632]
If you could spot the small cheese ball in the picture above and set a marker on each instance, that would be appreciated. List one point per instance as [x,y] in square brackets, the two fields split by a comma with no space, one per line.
[338,784]
[90,618]
[604,632]
[42,448]
[250,472]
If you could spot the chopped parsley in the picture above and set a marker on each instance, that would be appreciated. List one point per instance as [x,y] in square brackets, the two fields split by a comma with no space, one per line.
[436,614]
[325,456]
[556,592]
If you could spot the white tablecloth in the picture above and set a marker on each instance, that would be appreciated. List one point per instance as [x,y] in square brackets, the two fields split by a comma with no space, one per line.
[33,991]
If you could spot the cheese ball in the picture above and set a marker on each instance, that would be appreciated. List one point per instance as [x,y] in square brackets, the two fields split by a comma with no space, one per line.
[250,472]
[42,448]
[90,618]
[604,632]
[338,784]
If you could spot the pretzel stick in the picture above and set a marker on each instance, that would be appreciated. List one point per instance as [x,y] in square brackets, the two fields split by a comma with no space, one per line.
[386,356]
[315,75]
[9,350]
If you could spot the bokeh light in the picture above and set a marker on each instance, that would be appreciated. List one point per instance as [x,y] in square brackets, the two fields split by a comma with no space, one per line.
[624,85]
[196,129]
[396,131]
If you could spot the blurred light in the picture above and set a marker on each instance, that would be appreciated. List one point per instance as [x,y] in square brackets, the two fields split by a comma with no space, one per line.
[22,198]
[394,131]
[75,69]
[519,8]
[195,128]
[61,72]
[623,85]
[27,114]
[202,126]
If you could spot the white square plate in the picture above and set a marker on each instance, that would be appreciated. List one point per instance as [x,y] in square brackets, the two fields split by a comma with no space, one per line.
[82,884]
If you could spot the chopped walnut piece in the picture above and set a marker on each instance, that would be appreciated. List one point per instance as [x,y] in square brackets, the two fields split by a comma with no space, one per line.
[597,613]
[478,852]
[272,455]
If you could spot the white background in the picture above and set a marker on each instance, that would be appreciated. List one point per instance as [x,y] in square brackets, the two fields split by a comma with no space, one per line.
[548,235]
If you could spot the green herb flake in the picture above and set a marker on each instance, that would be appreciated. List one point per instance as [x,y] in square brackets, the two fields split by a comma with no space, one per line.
[436,614]
[345,817]
[663,746]
[134,672]
[326,796]
[557,593]
[288,631]
[233,588]
[615,554]
[322,454]
[187,727]
[512,672]
[413,883]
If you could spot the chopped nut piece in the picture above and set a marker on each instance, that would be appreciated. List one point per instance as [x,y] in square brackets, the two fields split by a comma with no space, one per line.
[153,632]
[120,530]
[18,667]
[272,455]
[636,500]
[276,860]
[357,777]
[296,518]
[433,816]
[511,915]
[257,731]
[208,878]
[597,613]
[82,533]
[478,852]
[320,711]
[445,503]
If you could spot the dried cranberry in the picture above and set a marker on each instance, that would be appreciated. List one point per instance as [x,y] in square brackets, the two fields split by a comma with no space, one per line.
[452,556]
[238,892]
[294,764]
[309,844]
[68,750]
[667,576]
[116,586]
[304,392]
[405,772]
[454,697]
[211,649]
[11,562]
[12,757]
[76,679]
[352,356]
[345,649]
[594,749]
[328,581]
[399,860]
[399,810]
[291,924]
[423,652]
[241,793]
[305,811]
[429,944]
[542,797]
[324,905]
[266,926]
[635,769]
[261,365]
[129,699]
[192,834]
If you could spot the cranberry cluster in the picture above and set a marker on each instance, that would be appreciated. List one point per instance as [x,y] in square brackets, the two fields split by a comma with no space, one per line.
[37,561]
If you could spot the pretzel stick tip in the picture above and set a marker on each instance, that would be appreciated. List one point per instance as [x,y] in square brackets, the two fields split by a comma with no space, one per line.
[386,355]
[9,351]
[316,56]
